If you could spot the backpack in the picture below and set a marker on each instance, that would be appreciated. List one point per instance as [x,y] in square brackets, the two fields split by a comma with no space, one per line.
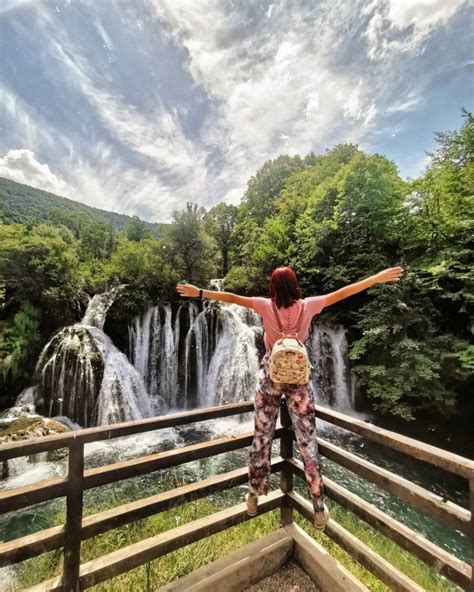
[289,360]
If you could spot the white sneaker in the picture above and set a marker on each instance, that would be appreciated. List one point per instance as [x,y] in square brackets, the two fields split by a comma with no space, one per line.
[321,518]
[252,503]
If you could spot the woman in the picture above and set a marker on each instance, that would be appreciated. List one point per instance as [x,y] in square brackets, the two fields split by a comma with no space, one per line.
[285,293]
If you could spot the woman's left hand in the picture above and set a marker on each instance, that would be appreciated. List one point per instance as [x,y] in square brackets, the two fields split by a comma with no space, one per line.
[392,274]
[187,290]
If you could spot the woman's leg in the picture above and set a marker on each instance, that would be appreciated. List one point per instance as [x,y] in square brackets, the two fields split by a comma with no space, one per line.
[267,405]
[303,416]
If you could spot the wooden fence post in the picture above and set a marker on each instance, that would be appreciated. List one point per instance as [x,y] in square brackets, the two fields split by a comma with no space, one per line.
[471,499]
[286,474]
[73,529]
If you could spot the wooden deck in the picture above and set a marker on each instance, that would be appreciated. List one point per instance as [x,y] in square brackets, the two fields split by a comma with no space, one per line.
[246,567]
[266,559]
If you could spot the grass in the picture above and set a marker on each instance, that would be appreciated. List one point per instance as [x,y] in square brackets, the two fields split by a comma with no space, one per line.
[186,559]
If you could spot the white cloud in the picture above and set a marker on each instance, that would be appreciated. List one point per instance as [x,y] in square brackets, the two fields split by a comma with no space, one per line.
[422,14]
[23,167]
[279,77]
[416,19]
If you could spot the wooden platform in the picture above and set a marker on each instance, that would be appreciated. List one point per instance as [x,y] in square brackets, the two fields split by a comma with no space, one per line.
[257,562]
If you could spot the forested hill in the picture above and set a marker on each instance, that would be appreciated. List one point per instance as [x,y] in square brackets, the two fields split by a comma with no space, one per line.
[23,204]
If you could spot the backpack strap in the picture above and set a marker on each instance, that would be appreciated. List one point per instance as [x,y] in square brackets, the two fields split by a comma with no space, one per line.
[298,322]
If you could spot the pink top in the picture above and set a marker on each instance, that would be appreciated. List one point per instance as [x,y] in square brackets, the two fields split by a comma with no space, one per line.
[288,317]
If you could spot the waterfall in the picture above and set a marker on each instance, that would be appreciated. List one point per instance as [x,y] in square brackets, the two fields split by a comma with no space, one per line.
[153,346]
[98,306]
[210,357]
[194,355]
[83,376]
[233,370]
[330,378]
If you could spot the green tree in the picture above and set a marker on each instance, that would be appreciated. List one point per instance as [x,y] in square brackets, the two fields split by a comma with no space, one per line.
[194,250]
[219,222]
[38,265]
[19,344]
[96,241]
[137,230]
[148,271]
[351,224]
[403,359]
[265,187]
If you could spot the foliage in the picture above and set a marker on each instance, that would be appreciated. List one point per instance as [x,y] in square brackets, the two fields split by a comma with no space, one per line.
[22,204]
[137,230]
[265,187]
[19,342]
[195,252]
[402,351]
[334,217]
[219,223]
[40,265]
[148,272]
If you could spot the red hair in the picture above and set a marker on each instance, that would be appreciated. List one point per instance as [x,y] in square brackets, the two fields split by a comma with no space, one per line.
[284,287]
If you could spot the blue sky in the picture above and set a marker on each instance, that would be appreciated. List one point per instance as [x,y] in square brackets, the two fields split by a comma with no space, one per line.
[138,106]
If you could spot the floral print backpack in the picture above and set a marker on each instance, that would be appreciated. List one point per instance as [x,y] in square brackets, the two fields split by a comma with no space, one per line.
[289,360]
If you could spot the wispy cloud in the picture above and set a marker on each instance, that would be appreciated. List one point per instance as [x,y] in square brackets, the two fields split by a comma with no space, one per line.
[148,104]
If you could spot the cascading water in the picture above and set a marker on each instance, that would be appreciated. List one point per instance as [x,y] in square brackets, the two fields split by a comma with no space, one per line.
[188,357]
[212,356]
[330,376]
[232,373]
[83,376]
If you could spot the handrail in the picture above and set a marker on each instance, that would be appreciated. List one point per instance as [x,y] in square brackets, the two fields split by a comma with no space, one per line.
[443,459]
[22,497]
[88,435]
[78,480]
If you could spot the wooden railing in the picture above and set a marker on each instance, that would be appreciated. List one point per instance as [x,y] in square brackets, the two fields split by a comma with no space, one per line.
[78,528]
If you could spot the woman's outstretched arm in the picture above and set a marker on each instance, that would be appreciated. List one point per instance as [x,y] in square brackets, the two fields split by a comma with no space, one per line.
[193,291]
[392,274]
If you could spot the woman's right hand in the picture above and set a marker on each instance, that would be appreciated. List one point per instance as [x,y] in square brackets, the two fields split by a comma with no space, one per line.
[391,274]
[187,290]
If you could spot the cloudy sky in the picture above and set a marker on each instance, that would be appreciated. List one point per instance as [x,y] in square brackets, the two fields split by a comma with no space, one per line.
[138,106]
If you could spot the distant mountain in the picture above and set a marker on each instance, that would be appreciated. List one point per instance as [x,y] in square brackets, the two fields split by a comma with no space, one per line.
[22,204]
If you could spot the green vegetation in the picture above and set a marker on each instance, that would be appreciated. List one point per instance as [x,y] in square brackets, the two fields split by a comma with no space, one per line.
[22,204]
[188,558]
[335,218]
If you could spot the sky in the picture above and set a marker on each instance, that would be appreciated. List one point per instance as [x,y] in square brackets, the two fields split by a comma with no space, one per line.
[137,106]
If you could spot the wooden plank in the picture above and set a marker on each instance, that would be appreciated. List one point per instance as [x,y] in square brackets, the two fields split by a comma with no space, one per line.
[441,458]
[433,505]
[239,569]
[20,497]
[113,564]
[15,499]
[471,503]
[53,585]
[443,562]
[286,474]
[73,527]
[36,445]
[320,565]
[128,558]
[387,573]
[115,517]
[154,462]
[31,545]
[53,538]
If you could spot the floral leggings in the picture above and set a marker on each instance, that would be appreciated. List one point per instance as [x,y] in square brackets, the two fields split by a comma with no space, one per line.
[302,412]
